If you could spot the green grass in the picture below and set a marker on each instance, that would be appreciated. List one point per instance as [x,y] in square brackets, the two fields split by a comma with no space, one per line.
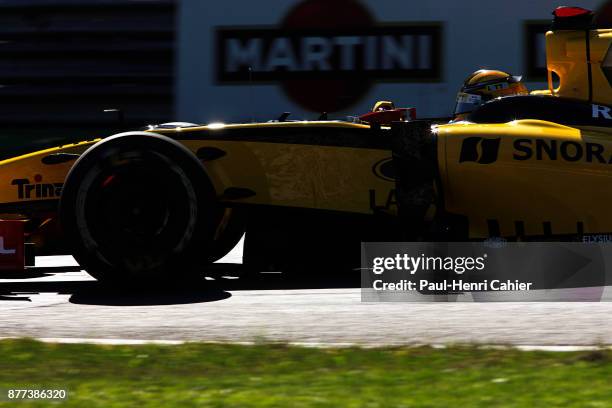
[269,375]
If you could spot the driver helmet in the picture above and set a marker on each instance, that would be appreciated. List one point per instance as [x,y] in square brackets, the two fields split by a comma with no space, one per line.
[484,85]
[383,106]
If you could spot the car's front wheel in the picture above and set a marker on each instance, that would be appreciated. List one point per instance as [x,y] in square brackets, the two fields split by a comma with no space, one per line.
[139,207]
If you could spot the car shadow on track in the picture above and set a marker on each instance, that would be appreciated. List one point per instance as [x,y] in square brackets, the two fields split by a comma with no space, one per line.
[99,295]
[216,284]
[94,293]
[37,272]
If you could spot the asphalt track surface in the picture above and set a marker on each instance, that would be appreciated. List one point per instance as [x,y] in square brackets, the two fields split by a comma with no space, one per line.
[58,300]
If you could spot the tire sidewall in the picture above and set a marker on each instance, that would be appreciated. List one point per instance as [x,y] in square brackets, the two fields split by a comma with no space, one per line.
[180,264]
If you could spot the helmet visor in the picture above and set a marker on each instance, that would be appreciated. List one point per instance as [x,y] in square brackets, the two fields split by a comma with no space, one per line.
[467,102]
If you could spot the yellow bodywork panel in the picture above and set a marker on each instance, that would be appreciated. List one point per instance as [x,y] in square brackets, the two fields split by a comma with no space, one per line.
[282,174]
[27,178]
[294,175]
[333,178]
[535,173]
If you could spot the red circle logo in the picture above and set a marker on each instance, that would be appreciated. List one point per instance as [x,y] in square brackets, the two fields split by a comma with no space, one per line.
[327,95]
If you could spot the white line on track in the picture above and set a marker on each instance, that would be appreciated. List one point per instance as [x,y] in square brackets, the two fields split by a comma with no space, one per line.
[137,342]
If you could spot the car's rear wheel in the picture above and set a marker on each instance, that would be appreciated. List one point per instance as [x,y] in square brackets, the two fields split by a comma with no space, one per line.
[139,207]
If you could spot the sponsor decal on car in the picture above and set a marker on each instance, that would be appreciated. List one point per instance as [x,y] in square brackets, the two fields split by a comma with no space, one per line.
[486,151]
[11,245]
[479,150]
[27,190]
[600,111]
[384,169]
[5,251]
[567,150]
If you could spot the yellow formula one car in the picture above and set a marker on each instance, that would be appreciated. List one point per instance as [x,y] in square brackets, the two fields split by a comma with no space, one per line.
[157,204]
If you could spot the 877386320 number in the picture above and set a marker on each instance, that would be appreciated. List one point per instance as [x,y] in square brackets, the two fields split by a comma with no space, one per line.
[36,394]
